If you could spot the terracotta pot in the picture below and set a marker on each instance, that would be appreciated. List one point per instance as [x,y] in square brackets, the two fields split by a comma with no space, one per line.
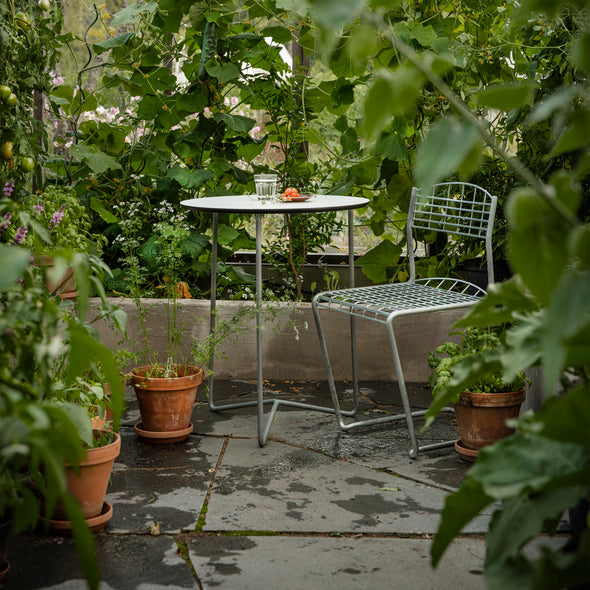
[66,288]
[89,484]
[481,417]
[166,403]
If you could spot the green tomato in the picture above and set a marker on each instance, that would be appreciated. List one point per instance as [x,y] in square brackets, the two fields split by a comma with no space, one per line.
[6,150]
[27,164]
[5,92]
[23,21]
[11,100]
[45,5]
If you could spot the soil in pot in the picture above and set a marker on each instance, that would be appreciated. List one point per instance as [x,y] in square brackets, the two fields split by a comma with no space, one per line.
[166,403]
[481,417]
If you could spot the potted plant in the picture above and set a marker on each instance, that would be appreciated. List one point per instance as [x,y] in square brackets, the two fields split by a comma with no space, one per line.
[40,433]
[55,227]
[484,404]
[165,385]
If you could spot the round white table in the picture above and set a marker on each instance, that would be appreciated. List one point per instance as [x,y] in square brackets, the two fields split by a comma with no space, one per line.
[250,204]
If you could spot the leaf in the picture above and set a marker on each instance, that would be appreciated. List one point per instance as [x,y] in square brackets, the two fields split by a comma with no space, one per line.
[224,72]
[448,143]
[391,93]
[98,206]
[236,123]
[576,136]
[535,227]
[82,351]
[505,97]
[279,34]
[13,261]
[526,463]
[189,179]
[380,263]
[459,509]
[96,159]
[558,101]
[116,41]
[332,15]
[566,419]
[568,313]
[522,518]
[132,13]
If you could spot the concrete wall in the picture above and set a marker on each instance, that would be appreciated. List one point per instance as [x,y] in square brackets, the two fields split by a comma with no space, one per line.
[290,343]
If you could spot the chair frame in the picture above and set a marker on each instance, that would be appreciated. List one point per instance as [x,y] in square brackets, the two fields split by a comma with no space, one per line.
[456,208]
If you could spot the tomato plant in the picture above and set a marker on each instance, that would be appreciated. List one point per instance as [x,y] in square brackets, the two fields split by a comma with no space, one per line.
[27,164]
[6,150]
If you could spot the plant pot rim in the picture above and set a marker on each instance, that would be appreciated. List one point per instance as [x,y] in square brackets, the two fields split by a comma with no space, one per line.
[505,398]
[104,453]
[187,371]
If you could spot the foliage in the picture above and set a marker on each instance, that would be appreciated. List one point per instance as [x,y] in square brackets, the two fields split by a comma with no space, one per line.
[450,358]
[57,218]
[38,429]
[23,50]
[510,79]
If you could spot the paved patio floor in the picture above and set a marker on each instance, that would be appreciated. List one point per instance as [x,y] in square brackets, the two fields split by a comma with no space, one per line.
[315,507]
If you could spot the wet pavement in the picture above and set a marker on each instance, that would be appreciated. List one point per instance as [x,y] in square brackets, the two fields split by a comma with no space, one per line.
[315,507]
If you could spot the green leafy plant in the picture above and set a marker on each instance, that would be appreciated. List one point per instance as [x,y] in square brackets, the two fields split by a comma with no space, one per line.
[450,359]
[48,221]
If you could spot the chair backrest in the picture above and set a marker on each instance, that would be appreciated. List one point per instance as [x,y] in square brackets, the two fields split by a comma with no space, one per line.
[457,208]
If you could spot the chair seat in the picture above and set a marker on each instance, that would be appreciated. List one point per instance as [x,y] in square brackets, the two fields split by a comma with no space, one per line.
[379,302]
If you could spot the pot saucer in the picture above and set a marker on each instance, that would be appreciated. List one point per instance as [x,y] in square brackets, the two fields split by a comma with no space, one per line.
[465,453]
[94,523]
[151,436]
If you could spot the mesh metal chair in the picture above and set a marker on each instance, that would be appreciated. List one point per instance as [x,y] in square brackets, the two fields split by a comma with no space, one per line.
[458,209]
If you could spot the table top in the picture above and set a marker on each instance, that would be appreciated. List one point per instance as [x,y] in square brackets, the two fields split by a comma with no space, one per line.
[250,204]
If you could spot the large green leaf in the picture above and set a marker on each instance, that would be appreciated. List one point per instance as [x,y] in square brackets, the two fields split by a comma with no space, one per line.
[332,15]
[460,508]
[448,144]
[13,261]
[189,179]
[96,159]
[536,227]
[116,41]
[526,463]
[566,419]
[522,518]
[568,313]
[380,263]
[506,96]
[501,303]
[132,13]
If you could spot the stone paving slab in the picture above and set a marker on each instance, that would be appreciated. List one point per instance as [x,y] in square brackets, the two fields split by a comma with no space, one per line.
[126,563]
[288,489]
[293,563]
[165,484]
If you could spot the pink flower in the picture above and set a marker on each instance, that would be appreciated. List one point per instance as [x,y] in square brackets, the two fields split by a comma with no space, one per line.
[21,234]
[57,217]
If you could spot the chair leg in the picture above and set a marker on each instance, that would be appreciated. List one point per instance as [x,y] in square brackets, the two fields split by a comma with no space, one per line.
[415,448]
[331,384]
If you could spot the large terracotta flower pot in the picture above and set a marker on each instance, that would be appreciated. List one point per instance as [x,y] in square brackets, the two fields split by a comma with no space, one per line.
[166,403]
[89,484]
[481,417]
